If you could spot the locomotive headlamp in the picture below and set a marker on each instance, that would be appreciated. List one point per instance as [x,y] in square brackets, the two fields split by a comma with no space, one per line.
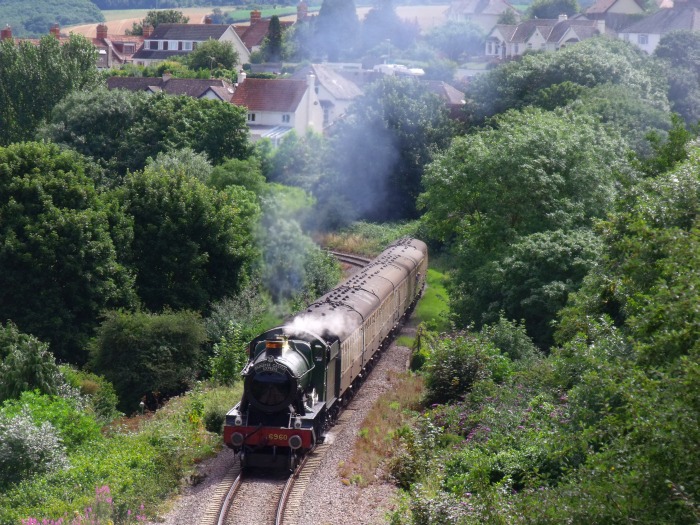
[236,439]
[238,421]
[294,442]
[297,422]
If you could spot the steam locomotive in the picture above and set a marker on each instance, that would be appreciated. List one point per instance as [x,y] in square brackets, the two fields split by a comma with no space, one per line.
[300,375]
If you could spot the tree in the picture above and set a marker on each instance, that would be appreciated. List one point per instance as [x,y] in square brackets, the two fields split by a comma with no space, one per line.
[551,9]
[337,29]
[58,262]
[590,63]
[531,172]
[300,161]
[148,357]
[212,55]
[382,24]
[122,129]
[192,244]
[155,18]
[395,125]
[272,47]
[455,39]
[679,51]
[36,77]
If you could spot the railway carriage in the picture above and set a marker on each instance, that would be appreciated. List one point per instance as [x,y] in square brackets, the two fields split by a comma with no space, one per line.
[299,375]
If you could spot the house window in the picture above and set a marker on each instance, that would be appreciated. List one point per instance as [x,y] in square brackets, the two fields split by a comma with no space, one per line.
[153,45]
[188,46]
[251,117]
[285,118]
[128,48]
[179,46]
[165,45]
[516,49]
[642,40]
[489,48]
[529,45]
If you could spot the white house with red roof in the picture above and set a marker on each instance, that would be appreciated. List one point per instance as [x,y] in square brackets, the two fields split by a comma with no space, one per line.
[278,106]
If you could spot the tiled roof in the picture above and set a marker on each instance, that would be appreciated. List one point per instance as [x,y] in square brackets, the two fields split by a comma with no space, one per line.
[683,16]
[450,94]
[552,30]
[263,94]
[194,32]
[254,34]
[337,85]
[193,87]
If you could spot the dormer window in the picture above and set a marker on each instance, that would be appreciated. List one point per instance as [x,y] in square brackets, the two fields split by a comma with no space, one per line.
[128,48]
[153,45]
[251,117]
[165,45]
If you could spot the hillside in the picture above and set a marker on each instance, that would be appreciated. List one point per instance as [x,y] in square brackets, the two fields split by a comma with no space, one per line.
[35,17]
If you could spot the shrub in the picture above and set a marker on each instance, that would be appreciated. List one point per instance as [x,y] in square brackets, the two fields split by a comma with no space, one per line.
[27,449]
[457,362]
[148,356]
[99,392]
[229,357]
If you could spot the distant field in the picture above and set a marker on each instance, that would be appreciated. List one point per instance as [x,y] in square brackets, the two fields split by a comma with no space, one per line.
[119,21]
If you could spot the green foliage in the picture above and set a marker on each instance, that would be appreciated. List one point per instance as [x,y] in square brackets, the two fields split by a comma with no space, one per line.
[213,54]
[237,172]
[36,77]
[100,394]
[456,39]
[35,17]
[272,46]
[229,356]
[336,29]
[299,161]
[457,362]
[382,27]
[192,244]
[397,124]
[511,339]
[59,262]
[551,9]
[667,153]
[27,449]
[593,62]
[678,51]
[185,160]
[155,18]
[123,129]
[147,356]
[73,426]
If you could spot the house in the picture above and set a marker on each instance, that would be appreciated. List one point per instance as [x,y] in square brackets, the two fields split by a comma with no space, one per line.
[646,34]
[616,13]
[168,40]
[484,13]
[115,50]
[216,88]
[253,35]
[335,92]
[453,97]
[278,106]
[508,41]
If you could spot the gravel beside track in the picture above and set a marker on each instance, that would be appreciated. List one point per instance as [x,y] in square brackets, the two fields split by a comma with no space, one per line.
[327,501]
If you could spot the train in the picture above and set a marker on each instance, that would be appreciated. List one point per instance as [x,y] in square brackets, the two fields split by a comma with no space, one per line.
[300,375]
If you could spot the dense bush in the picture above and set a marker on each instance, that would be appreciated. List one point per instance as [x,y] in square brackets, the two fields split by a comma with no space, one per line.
[27,448]
[99,393]
[148,356]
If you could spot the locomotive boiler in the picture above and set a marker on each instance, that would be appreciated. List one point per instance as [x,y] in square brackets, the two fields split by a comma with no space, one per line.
[299,375]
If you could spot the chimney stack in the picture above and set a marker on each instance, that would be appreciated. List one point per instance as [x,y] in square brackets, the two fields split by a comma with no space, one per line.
[147,30]
[101,31]
[6,33]
[207,20]
[255,17]
[55,30]
[302,10]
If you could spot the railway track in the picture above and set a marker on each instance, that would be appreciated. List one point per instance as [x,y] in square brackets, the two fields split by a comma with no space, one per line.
[352,260]
[262,498]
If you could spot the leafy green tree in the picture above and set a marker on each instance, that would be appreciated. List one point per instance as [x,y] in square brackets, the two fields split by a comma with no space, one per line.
[33,18]
[551,9]
[183,160]
[148,356]
[212,55]
[455,39]
[533,171]
[336,29]
[25,364]
[595,61]
[122,129]
[191,245]
[155,18]
[58,260]
[36,77]
[381,24]
[396,125]
[508,17]
[273,46]
[679,52]
[300,161]
[235,172]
